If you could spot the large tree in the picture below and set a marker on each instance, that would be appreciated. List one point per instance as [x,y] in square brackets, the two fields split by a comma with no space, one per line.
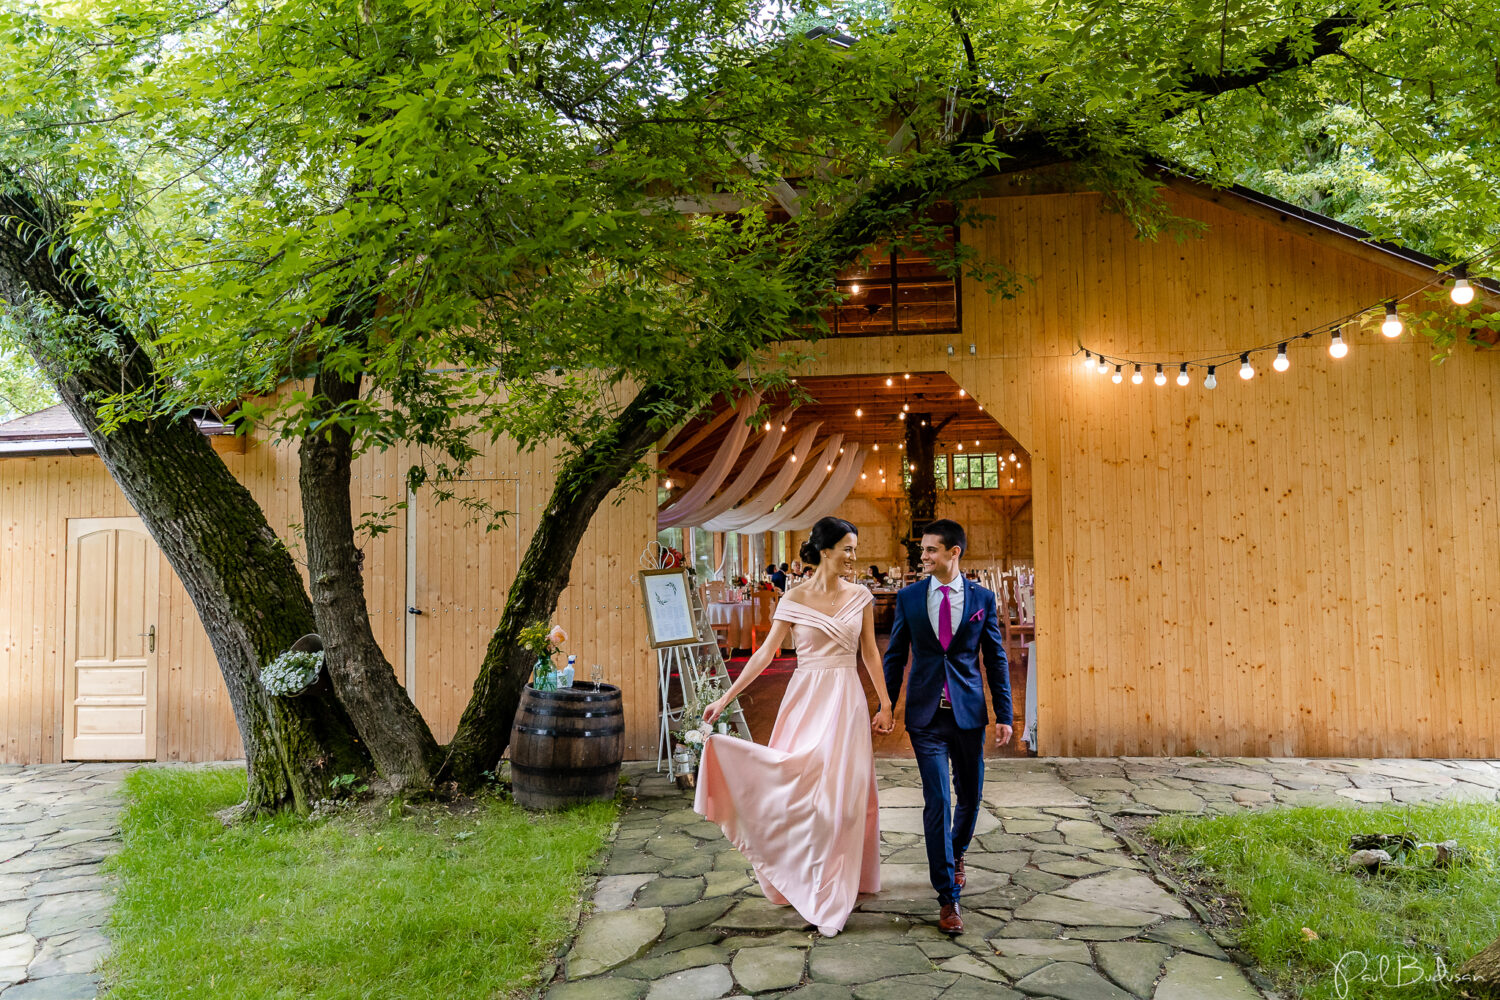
[583,222]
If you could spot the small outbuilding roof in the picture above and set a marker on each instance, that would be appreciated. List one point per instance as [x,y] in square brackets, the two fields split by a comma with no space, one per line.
[53,431]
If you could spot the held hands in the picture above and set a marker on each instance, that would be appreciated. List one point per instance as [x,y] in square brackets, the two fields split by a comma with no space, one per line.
[714,709]
[884,721]
[1002,734]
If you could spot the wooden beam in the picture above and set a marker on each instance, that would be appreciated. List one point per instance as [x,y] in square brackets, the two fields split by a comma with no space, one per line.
[719,419]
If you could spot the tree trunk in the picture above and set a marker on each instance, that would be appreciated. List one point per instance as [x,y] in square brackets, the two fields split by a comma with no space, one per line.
[1482,973]
[397,736]
[582,484]
[241,579]
[921,494]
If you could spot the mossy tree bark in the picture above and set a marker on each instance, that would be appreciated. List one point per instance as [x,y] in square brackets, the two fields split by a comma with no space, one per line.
[395,733]
[1483,972]
[240,577]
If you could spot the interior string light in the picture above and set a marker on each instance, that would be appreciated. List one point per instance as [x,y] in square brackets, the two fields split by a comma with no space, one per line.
[1247,370]
[1182,375]
[1161,376]
[1088,360]
[1463,292]
[1117,377]
[1209,382]
[1282,362]
[1336,345]
[1137,378]
[1392,325]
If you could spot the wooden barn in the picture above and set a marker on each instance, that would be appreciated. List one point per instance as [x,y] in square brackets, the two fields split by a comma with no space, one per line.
[1306,562]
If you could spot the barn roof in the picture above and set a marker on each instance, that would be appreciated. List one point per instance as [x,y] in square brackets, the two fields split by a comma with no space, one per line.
[53,431]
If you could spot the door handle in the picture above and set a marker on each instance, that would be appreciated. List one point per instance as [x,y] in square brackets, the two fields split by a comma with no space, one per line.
[414,611]
[150,635]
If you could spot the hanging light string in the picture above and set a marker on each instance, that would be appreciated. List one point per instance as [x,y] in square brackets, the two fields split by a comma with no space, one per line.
[1462,293]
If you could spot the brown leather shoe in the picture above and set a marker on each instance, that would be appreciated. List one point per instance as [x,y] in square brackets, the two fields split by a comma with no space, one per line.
[949,921]
[958,871]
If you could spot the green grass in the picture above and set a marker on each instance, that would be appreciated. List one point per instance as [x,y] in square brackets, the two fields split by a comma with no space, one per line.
[429,905]
[1287,869]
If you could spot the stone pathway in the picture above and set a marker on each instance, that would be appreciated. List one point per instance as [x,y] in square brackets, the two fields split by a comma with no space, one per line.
[57,823]
[1058,904]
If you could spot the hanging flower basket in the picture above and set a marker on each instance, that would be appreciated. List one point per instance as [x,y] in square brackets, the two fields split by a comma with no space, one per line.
[296,671]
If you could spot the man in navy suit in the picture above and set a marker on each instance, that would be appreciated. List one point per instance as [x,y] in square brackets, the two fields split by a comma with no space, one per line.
[944,622]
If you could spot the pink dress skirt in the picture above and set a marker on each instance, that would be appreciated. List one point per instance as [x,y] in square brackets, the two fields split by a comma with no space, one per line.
[803,809]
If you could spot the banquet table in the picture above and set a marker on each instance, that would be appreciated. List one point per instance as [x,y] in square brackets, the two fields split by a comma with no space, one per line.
[739,616]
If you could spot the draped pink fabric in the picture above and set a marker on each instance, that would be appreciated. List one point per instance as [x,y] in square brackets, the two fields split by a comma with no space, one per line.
[803,809]
[748,512]
[748,476]
[816,475]
[833,494]
[701,492]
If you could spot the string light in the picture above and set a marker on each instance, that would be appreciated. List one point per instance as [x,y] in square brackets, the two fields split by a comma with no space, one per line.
[1209,382]
[877,446]
[907,376]
[1102,367]
[1336,346]
[1088,360]
[841,449]
[960,446]
[901,416]
[901,446]
[1282,362]
[1161,376]
[1463,292]
[858,412]
[1182,375]
[1137,378]
[1392,325]
[863,476]
[1117,378]
[1013,456]
[768,425]
[905,407]
[783,428]
[962,393]
[828,467]
[981,407]
[976,442]
[854,289]
[889,382]
[1247,371]
[669,483]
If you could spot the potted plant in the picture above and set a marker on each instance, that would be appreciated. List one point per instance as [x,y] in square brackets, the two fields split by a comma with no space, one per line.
[691,737]
[295,671]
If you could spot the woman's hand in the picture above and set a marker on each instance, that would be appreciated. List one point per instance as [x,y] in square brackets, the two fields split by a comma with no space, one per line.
[884,721]
[715,709]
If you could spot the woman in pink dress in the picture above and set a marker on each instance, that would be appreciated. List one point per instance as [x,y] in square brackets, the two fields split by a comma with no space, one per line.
[803,808]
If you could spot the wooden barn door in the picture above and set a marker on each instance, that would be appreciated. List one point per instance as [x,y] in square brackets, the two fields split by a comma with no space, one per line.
[109,644]
[458,575]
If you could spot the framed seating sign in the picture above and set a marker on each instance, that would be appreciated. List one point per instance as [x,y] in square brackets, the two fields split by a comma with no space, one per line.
[669,607]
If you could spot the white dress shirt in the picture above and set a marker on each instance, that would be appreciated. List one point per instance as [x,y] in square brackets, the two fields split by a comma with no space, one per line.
[955,589]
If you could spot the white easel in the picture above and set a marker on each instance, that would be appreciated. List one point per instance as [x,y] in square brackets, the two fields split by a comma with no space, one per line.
[699,666]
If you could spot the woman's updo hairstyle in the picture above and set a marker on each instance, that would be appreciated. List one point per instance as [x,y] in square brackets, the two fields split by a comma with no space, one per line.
[827,533]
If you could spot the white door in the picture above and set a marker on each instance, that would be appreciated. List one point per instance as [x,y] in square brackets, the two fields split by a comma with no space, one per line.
[110,641]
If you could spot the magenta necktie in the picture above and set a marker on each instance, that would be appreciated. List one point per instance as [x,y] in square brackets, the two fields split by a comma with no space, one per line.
[945,634]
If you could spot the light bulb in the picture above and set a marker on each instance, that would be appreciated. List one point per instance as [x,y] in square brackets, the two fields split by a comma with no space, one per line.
[841,450]
[828,467]
[669,484]
[901,416]
[976,442]
[783,428]
[907,375]
[1088,360]
[877,446]
[857,412]
[791,458]
[1102,366]
[854,289]
[1462,293]
[890,382]
[1247,371]
[1337,347]
[912,467]
[1161,376]
[1012,456]
[1013,480]
[768,425]
[1209,382]
[1392,325]
[901,446]
[905,407]
[1137,378]
[960,446]
[924,423]
[1117,378]
[1182,375]
[981,407]
[863,476]
[962,393]
[1282,363]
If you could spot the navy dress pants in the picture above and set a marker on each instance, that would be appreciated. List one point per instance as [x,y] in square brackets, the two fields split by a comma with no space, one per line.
[948,819]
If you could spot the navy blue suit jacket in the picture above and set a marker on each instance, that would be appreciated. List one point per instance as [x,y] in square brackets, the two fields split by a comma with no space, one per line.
[959,665]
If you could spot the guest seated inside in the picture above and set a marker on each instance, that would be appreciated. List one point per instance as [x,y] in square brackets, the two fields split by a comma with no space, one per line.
[778,576]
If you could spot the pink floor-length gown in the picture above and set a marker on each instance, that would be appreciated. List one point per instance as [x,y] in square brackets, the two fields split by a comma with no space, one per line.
[803,809]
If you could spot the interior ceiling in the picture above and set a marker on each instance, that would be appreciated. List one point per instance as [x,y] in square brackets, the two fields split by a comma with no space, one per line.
[834,401]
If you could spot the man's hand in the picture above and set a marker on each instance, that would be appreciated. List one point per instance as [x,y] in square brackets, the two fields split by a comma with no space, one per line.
[883,721]
[1002,734]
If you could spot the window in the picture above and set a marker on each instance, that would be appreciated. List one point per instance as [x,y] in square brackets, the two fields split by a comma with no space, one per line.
[976,472]
[891,292]
[939,472]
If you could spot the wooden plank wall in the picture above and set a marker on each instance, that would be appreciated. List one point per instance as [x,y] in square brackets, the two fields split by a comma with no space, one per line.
[1302,564]
[195,721]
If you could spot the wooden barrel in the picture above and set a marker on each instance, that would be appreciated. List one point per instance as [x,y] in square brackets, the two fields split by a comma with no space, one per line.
[566,746]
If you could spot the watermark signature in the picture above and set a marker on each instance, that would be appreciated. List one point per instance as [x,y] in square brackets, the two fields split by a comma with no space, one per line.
[1392,971]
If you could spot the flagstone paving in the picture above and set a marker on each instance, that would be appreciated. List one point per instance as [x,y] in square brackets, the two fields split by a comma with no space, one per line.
[1060,903]
[58,822]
